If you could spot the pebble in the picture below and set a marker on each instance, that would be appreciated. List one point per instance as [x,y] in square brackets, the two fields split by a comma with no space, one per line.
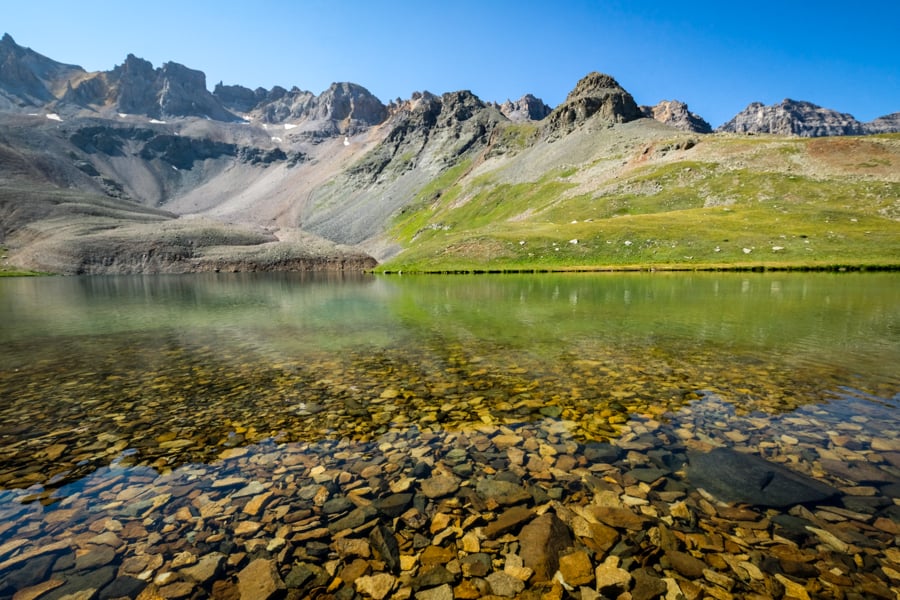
[591,499]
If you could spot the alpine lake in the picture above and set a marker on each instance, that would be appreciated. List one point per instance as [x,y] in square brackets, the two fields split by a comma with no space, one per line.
[602,435]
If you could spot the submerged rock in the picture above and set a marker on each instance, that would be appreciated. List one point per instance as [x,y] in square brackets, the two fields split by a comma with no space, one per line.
[733,476]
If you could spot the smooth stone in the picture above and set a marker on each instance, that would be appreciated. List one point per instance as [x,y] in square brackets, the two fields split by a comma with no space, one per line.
[857,471]
[599,452]
[337,505]
[184,559]
[259,580]
[621,518]
[251,489]
[205,569]
[97,556]
[686,564]
[503,584]
[732,476]
[179,589]
[247,528]
[648,474]
[36,591]
[80,583]
[540,543]
[503,492]
[123,587]
[255,505]
[31,573]
[355,519]
[394,505]
[439,486]
[508,521]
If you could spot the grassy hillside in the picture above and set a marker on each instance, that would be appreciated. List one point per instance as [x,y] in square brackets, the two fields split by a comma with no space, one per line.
[644,201]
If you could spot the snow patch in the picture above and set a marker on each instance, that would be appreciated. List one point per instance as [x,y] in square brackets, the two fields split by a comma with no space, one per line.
[54,117]
[157,121]
[276,139]
[123,116]
[289,126]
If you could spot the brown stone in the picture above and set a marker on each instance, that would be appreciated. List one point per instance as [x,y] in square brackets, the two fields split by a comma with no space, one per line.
[36,591]
[686,564]
[376,586]
[541,542]
[576,568]
[173,591]
[621,518]
[436,555]
[508,521]
[259,580]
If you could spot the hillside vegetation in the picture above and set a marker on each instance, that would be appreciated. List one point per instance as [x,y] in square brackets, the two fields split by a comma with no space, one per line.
[642,200]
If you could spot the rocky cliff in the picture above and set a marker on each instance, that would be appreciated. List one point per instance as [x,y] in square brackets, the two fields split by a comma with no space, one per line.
[676,114]
[596,96]
[792,117]
[886,124]
[29,79]
[526,108]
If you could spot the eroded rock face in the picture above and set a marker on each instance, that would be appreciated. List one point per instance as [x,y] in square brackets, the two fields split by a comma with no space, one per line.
[792,117]
[597,96]
[886,124]
[676,114]
[526,108]
[26,76]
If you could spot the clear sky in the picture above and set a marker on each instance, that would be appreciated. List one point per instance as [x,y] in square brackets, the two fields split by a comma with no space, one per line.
[716,56]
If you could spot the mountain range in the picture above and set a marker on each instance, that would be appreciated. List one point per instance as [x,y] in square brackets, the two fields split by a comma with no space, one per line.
[143,169]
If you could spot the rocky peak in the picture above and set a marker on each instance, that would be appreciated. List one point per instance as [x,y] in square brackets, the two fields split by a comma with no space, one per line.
[171,90]
[28,78]
[596,96]
[676,114]
[350,102]
[526,108]
[792,117]
[886,124]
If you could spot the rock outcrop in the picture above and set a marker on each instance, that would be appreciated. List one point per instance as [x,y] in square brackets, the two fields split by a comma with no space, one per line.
[526,108]
[792,117]
[597,96]
[28,78]
[886,124]
[343,109]
[135,87]
[677,115]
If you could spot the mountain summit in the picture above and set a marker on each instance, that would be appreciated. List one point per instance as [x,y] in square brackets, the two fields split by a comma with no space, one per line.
[596,96]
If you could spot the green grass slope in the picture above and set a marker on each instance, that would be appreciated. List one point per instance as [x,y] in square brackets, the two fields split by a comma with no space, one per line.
[639,197]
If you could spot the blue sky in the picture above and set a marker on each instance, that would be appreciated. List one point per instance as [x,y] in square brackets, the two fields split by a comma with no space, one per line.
[716,58]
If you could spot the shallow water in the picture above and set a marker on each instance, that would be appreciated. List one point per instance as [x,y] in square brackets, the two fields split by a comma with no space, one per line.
[111,387]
